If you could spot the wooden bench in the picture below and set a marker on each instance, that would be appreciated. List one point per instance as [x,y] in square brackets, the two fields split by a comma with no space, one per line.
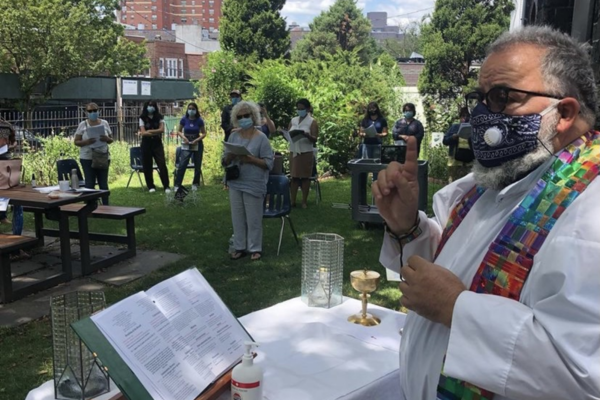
[84,236]
[8,245]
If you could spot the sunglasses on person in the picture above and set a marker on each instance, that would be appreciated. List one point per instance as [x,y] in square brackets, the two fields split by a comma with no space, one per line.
[497,98]
[240,116]
[90,111]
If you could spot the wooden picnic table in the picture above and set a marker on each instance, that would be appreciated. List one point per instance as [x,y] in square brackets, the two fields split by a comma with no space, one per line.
[30,198]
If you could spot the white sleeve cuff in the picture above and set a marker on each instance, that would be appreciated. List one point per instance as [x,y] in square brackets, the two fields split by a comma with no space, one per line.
[482,341]
[423,246]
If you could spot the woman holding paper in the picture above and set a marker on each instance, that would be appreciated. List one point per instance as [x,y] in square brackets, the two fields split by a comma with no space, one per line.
[373,128]
[151,129]
[303,131]
[408,126]
[192,132]
[93,136]
[249,152]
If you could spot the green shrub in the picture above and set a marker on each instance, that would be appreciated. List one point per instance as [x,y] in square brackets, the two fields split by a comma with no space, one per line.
[438,162]
[42,163]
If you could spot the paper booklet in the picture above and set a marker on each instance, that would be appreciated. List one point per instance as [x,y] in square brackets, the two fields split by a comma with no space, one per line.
[4,203]
[293,135]
[95,132]
[169,342]
[371,131]
[236,149]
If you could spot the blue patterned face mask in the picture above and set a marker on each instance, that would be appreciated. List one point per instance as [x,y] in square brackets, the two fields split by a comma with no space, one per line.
[498,138]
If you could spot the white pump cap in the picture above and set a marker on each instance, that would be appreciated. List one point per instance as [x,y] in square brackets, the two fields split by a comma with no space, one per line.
[248,353]
[492,137]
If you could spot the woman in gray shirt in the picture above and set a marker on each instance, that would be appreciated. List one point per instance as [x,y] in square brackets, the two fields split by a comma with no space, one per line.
[247,192]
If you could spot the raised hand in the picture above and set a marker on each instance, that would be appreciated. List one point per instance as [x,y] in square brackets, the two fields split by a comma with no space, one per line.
[396,191]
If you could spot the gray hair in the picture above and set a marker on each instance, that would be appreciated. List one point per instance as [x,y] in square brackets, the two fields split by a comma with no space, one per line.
[242,105]
[566,65]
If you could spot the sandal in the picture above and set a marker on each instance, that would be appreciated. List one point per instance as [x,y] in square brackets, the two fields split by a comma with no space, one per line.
[236,255]
[256,256]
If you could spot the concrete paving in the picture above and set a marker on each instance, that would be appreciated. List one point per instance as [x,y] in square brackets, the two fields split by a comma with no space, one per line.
[46,262]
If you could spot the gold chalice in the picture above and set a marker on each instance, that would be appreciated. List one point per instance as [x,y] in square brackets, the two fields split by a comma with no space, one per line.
[365,282]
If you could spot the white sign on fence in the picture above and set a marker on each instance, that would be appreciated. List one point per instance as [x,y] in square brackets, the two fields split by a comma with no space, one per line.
[146,88]
[130,87]
[436,138]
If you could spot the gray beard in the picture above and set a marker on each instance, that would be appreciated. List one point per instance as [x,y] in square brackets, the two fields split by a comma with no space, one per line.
[497,178]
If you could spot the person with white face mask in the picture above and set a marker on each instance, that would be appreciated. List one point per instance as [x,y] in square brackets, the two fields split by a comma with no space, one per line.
[192,131]
[93,174]
[302,159]
[247,191]
[502,282]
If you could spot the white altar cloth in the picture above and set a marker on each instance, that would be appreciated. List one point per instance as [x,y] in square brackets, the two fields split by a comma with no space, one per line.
[315,354]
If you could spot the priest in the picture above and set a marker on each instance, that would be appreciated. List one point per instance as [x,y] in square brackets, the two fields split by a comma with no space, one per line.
[503,282]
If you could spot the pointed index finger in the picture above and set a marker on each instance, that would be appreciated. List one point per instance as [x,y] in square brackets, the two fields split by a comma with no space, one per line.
[411,163]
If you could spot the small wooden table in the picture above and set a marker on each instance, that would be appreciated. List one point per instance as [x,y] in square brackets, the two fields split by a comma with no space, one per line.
[27,197]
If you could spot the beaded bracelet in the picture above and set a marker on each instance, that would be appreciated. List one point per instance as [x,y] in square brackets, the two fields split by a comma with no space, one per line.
[408,237]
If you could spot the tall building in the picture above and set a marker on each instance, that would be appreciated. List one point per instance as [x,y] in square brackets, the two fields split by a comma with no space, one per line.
[164,14]
[380,30]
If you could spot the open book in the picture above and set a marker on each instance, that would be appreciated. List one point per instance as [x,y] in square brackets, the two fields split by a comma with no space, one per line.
[169,342]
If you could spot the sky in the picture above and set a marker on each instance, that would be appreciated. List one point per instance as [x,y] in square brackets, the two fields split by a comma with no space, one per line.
[400,12]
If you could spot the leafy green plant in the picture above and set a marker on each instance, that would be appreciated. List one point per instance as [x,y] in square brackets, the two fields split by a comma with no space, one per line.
[438,163]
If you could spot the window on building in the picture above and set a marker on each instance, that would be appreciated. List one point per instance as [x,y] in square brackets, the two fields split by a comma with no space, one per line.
[124,8]
[180,68]
[211,20]
[211,3]
[193,11]
[171,68]
[183,3]
[154,26]
[211,12]
[195,21]
[183,11]
[193,2]
[161,68]
[211,29]
[124,16]
[153,8]
[183,20]
[154,18]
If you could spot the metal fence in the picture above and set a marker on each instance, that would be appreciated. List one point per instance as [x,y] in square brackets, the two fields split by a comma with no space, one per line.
[47,121]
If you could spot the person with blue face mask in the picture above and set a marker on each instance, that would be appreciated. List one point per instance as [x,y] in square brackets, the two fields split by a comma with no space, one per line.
[236,97]
[408,126]
[192,132]
[87,145]
[152,127]
[502,280]
[248,190]
[302,156]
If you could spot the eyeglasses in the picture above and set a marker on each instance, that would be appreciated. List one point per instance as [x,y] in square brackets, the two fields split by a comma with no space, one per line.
[497,97]
[240,116]
[96,110]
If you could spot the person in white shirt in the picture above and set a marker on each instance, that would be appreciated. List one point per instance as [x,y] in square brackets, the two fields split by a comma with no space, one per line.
[94,171]
[503,282]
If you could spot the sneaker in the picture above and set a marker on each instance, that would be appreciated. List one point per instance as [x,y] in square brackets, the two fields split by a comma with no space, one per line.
[175,189]
[194,187]
[167,190]
[152,190]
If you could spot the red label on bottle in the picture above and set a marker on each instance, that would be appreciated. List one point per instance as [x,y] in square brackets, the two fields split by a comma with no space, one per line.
[245,385]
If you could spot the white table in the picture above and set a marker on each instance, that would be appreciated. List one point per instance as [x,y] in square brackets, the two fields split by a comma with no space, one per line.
[315,354]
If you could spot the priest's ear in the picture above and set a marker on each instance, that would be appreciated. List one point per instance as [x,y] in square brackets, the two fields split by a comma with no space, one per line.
[569,110]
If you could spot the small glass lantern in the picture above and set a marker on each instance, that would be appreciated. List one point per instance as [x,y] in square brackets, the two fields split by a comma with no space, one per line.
[322,269]
[78,374]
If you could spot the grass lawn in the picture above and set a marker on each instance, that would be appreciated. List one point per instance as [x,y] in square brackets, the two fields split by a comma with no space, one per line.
[201,233]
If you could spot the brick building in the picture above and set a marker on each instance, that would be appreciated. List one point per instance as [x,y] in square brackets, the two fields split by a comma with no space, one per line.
[163,14]
[167,58]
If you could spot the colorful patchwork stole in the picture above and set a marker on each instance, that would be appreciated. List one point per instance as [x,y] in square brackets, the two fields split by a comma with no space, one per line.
[507,263]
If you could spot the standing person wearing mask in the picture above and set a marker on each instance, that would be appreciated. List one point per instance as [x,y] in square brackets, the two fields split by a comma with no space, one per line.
[301,152]
[373,117]
[408,126]
[192,132]
[460,155]
[84,142]
[236,97]
[152,127]
[247,192]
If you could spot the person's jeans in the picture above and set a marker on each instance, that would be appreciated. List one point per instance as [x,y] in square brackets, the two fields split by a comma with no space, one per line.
[153,149]
[185,160]
[93,175]
[17,220]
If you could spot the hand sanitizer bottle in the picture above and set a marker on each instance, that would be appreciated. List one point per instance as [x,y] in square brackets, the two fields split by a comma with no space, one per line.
[246,378]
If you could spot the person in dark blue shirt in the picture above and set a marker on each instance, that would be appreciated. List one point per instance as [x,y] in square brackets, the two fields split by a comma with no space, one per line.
[371,146]
[192,132]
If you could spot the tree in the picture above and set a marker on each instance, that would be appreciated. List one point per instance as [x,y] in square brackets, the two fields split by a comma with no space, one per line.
[47,42]
[410,42]
[457,37]
[342,27]
[254,27]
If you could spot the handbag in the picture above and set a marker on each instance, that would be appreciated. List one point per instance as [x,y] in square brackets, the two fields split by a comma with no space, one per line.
[99,159]
[232,172]
[10,173]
